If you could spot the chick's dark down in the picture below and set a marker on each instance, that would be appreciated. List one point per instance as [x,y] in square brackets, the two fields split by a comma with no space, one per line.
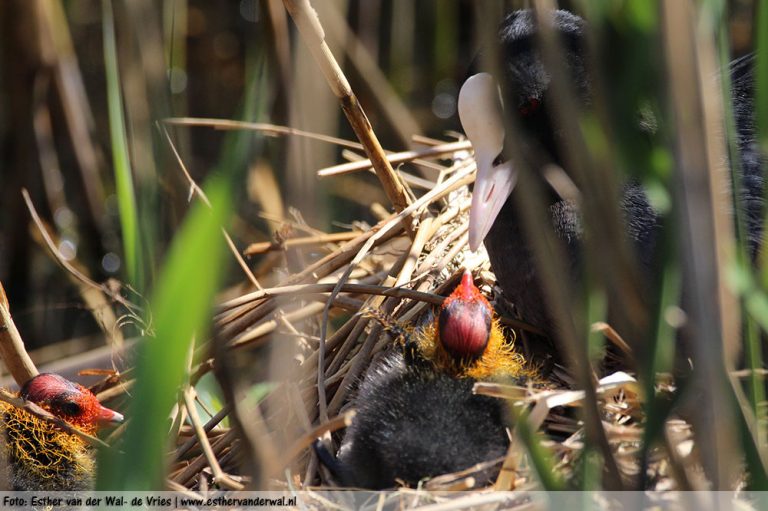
[413,423]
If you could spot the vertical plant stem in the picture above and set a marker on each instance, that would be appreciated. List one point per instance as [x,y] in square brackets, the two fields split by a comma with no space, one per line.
[12,348]
[309,26]
[126,197]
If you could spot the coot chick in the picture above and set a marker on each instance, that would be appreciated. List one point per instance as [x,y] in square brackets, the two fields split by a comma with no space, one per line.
[42,457]
[416,414]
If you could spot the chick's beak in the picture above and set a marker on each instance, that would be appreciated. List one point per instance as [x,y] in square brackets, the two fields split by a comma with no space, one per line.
[481,114]
[105,415]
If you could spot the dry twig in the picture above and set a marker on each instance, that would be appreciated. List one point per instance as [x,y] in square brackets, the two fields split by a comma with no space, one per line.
[311,30]
[12,347]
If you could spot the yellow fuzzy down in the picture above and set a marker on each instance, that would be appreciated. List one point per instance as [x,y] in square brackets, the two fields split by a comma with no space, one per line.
[498,361]
[40,455]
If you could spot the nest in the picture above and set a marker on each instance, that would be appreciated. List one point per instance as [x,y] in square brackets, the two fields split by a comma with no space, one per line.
[320,317]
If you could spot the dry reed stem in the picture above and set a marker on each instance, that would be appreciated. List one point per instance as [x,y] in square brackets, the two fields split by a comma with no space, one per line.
[464,484]
[395,158]
[507,477]
[348,333]
[387,99]
[12,349]
[422,202]
[612,335]
[200,462]
[212,423]
[419,182]
[311,31]
[429,141]
[267,246]
[268,129]
[276,130]
[219,476]
[427,184]
[251,336]
[339,422]
[117,390]
[438,258]
[349,370]
[324,408]
[237,321]
[297,406]
[351,340]
[292,330]
[304,289]
[446,482]
[174,486]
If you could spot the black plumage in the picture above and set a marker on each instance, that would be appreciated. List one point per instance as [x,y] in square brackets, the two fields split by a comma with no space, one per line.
[752,179]
[526,90]
[413,422]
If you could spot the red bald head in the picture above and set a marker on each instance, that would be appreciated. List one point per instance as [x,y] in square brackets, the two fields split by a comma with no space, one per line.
[464,323]
[69,401]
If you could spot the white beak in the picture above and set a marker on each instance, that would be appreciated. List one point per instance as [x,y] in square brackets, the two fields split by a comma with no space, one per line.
[481,115]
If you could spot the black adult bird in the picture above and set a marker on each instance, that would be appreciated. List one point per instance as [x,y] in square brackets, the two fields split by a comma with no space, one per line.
[527,96]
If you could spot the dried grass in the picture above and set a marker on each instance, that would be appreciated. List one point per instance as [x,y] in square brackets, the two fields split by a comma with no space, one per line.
[382,268]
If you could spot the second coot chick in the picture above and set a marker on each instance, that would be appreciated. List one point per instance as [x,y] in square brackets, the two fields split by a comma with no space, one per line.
[42,457]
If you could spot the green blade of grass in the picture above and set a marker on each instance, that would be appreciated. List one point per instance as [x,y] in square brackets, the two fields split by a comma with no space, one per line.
[181,307]
[126,197]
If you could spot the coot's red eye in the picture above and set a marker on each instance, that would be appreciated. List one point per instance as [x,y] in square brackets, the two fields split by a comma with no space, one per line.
[529,107]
